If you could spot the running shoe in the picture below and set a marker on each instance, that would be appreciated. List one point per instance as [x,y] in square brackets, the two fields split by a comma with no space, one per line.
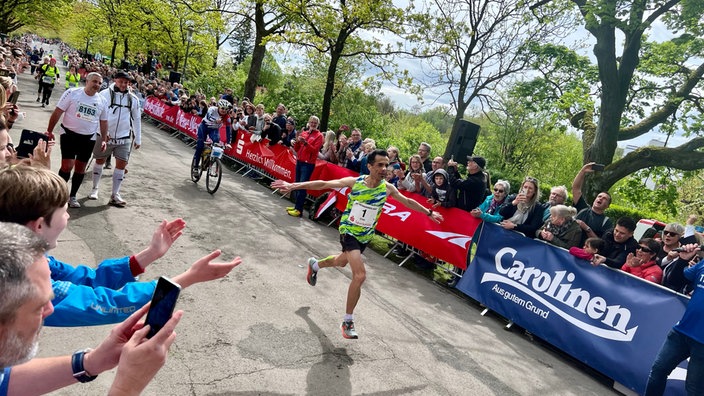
[73,203]
[290,208]
[93,194]
[295,213]
[348,330]
[312,276]
[116,200]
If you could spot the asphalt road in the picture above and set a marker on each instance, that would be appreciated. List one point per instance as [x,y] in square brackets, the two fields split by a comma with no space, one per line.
[263,330]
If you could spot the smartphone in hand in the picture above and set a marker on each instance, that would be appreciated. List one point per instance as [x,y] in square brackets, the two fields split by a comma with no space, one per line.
[598,167]
[163,303]
[13,97]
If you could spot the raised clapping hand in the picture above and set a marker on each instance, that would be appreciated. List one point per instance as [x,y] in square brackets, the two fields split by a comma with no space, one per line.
[166,234]
[476,213]
[203,270]
[163,238]
[633,261]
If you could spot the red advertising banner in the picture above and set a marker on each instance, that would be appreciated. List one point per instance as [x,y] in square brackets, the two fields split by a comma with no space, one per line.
[447,241]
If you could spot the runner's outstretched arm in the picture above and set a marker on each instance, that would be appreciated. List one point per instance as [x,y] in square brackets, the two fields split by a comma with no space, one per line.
[413,204]
[314,184]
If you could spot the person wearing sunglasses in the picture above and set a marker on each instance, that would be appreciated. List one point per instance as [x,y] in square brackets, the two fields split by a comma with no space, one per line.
[643,263]
[686,339]
[671,236]
[489,209]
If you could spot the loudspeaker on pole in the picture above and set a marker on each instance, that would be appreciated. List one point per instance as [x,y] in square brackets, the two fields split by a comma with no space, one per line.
[464,141]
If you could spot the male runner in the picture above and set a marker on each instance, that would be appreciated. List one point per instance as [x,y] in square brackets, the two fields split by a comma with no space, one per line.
[85,116]
[124,116]
[365,201]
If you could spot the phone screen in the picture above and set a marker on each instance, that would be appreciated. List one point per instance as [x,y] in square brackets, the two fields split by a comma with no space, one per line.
[163,303]
[28,141]
[14,96]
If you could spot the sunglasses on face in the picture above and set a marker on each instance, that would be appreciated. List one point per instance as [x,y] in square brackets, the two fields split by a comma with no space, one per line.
[496,190]
[670,233]
[644,249]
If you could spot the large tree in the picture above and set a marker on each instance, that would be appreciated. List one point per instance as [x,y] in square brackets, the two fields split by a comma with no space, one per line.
[335,30]
[480,44]
[642,85]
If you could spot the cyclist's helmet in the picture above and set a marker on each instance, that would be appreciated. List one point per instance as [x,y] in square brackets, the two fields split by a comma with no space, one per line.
[224,104]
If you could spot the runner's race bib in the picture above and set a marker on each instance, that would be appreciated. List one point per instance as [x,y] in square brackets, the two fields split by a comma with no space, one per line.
[363,215]
[48,80]
[86,112]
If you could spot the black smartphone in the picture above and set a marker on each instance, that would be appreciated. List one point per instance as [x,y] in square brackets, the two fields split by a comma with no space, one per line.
[28,141]
[598,167]
[4,73]
[14,96]
[163,303]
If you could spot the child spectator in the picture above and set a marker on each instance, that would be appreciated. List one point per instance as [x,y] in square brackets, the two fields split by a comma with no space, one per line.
[591,247]
[443,194]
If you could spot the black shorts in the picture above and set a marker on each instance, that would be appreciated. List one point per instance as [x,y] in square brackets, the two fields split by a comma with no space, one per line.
[77,147]
[349,243]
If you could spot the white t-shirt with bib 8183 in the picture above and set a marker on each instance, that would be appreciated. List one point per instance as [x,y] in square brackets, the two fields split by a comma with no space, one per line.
[82,113]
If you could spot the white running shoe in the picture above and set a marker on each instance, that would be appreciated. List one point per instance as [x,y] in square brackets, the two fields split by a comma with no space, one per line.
[93,194]
[116,200]
[73,203]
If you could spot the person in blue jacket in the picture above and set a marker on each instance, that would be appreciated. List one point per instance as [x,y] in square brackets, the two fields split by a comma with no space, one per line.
[489,209]
[686,339]
[84,296]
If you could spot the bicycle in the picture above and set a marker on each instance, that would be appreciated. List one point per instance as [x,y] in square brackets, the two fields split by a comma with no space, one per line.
[211,163]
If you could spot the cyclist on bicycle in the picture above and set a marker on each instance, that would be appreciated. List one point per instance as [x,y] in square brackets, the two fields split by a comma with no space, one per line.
[210,127]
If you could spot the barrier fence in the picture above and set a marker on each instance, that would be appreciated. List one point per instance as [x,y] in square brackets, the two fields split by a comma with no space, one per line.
[447,241]
[609,320]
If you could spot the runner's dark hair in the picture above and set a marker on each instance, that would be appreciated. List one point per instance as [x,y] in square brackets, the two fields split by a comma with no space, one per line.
[371,158]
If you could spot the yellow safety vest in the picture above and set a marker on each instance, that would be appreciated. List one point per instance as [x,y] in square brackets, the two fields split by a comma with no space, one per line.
[72,80]
[49,74]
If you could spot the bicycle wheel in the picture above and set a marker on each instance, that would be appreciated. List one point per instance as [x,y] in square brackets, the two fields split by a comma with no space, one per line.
[195,174]
[213,175]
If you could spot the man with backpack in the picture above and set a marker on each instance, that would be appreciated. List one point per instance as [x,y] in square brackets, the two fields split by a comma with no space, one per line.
[124,116]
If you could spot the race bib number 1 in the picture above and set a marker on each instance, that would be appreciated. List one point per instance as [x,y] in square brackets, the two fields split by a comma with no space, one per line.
[86,112]
[363,215]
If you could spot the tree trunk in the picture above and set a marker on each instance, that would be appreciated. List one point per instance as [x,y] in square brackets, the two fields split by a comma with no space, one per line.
[125,53]
[112,52]
[329,88]
[250,86]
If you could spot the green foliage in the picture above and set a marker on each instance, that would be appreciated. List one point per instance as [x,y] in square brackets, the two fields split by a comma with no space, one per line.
[636,194]
[407,132]
[212,82]
[45,15]
[440,117]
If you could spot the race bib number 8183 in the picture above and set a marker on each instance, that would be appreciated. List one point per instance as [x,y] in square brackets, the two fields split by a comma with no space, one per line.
[87,112]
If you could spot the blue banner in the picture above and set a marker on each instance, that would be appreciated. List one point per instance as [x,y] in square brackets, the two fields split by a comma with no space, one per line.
[610,320]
